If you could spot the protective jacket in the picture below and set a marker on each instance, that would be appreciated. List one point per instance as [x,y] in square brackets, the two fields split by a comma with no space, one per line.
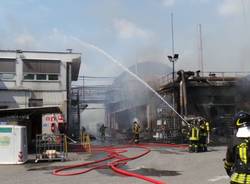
[237,162]
[194,134]
[204,129]
[136,128]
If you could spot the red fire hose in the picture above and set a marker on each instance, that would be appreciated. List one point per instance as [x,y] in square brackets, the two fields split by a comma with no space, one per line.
[114,153]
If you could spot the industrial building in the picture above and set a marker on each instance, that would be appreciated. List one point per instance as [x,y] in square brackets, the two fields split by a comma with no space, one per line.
[215,96]
[36,82]
[127,98]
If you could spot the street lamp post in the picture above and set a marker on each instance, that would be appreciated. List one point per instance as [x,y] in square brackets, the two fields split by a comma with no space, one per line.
[173,59]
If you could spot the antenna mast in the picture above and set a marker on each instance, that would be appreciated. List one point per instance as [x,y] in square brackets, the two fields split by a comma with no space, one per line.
[172,31]
[201,50]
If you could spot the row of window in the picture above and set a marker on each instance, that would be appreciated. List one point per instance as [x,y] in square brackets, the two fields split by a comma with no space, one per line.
[40,70]
[41,77]
[30,76]
[30,66]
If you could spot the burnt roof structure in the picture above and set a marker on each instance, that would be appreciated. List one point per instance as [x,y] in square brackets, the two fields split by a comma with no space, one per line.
[215,96]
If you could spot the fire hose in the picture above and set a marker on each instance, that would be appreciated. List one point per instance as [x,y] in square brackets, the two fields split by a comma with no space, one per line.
[114,153]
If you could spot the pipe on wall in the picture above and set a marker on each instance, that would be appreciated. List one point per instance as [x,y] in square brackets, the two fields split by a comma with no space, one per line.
[184,92]
[181,98]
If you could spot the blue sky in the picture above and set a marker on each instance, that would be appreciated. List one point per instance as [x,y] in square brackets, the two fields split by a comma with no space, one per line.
[131,31]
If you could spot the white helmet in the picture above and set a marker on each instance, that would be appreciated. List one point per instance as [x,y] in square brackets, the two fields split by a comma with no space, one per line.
[135,120]
[243,132]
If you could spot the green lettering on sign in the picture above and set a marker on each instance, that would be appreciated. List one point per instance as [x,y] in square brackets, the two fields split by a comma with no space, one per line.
[5,130]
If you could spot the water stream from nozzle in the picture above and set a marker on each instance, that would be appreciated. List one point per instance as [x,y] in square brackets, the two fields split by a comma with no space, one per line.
[111,58]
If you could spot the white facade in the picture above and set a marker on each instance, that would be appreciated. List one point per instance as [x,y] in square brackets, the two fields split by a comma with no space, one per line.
[25,82]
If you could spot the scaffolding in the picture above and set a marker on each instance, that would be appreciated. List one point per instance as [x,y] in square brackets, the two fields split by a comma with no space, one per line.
[90,90]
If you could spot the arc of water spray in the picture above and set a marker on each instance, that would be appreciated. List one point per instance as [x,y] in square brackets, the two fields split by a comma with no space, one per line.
[128,71]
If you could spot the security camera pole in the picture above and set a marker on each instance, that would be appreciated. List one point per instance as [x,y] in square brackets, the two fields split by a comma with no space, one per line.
[173,58]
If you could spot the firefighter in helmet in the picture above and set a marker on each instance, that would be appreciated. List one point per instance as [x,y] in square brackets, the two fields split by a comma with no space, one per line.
[194,136]
[204,134]
[136,130]
[237,161]
[102,132]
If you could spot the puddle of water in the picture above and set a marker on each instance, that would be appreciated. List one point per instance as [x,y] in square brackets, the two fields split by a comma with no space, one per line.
[43,168]
[168,151]
[156,172]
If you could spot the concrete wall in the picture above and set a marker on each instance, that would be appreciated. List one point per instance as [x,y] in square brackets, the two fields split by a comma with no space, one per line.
[17,92]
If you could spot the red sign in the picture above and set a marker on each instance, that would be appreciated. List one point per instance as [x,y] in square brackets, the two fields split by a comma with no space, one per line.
[60,118]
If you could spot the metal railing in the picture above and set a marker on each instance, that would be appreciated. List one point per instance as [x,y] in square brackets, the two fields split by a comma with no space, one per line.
[163,80]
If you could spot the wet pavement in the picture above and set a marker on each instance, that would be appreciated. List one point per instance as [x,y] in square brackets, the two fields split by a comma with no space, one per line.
[171,165]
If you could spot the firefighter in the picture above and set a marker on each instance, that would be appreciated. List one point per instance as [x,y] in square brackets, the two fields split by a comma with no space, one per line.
[204,134]
[237,161]
[87,143]
[136,131]
[194,137]
[83,131]
[102,132]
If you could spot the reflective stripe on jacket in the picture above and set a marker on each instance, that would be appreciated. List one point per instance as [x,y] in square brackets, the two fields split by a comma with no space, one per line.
[240,178]
[194,134]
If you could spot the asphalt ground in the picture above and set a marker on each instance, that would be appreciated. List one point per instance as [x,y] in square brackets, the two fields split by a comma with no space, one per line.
[171,165]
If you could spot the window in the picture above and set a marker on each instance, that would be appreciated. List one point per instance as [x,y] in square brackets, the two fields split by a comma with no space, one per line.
[7,65]
[35,102]
[41,70]
[53,77]
[41,66]
[41,76]
[7,76]
[29,76]
[7,69]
